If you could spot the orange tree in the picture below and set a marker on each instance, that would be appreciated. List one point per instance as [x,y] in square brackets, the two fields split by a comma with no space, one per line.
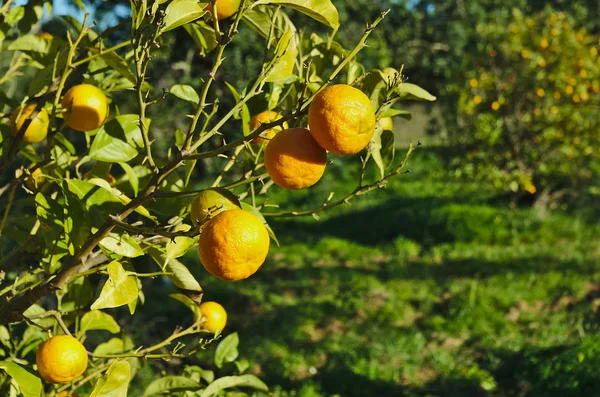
[528,106]
[86,194]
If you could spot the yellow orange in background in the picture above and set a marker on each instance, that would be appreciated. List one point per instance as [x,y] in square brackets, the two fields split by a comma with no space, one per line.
[342,119]
[233,245]
[36,179]
[37,129]
[85,107]
[386,124]
[215,316]
[225,8]
[294,160]
[211,202]
[61,359]
[267,117]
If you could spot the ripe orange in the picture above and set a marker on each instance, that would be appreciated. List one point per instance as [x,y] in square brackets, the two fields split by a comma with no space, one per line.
[342,119]
[495,105]
[36,179]
[294,160]
[216,316]
[387,123]
[211,202]
[265,118]
[85,107]
[225,8]
[477,99]
[61,359]
[233,245]
[38,128]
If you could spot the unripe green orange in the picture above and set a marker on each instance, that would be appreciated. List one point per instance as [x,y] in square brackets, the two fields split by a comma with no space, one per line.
[211,202]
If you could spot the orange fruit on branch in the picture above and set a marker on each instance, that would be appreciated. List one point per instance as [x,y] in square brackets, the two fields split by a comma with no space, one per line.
[216,316]
[266,117]
[233,245]
[61,359]
[211,202]
[294,160]
[85,107]
[37,129]
[342,120]
[225,8]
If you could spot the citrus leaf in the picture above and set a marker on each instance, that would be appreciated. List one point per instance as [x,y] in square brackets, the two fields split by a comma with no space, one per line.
[180,12]
[132,176]
[227,350]
[256,212]
[119,290]
[115,382]
[186,93]
[405,114]
[122,244]
[203,35]
[30,385]
[113,346]
[286,53]
[322,11]
[118,140]
[181,276]
[189,303]
[414,92]
[171,384]
[180,245]
[387,148]
[97,320]
[228,382]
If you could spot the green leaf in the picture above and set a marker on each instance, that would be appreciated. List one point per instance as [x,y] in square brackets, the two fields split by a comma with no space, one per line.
[180,245]
[30,384]
[242,365]
[181,277]
[193,306]
[119,290]
[99,201]
[256,212]
[113,346]
[60,138]
[115,382]
[414,92]
[28,151]
[286,53]
[118,140]
[375,150]
[181,12]
[186,93]
[227,350]
[245,113]
[77,294]
[322,11]
[119,64]
[387,148]
[122,244]
[97,320]
[31,43]
[189,170]
[405,114]
[77,222]
[171,384]
[51,217]
[228,382]
[204,36]
[132,176]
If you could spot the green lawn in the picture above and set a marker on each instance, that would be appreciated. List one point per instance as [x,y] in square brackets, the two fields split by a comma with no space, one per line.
[425,288]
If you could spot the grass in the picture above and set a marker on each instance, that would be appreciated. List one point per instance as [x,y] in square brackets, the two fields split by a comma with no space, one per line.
[427,288]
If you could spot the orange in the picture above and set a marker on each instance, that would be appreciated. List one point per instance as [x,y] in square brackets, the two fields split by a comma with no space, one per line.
[294,160]
[85,107]
[38,128]
[387,123]
[61,359]
[473,83]
[495,105]
[477,99]
[540,92]
[35,179]
[211,202]
[342,119]
[233,245]
[216,316]
[45,35]
[265,118]
[225,8]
